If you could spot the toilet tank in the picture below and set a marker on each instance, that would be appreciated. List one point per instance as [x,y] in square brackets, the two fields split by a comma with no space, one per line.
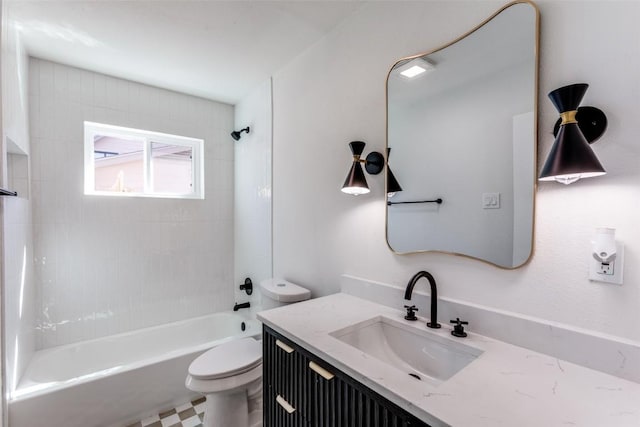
[279,292]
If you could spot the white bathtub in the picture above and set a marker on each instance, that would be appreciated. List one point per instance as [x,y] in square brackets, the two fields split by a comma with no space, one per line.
[112,380]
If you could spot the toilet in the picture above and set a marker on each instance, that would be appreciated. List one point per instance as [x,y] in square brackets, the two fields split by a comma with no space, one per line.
[230,375]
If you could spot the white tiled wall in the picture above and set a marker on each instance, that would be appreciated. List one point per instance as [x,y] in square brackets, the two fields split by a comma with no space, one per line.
[105,264]
[18,293]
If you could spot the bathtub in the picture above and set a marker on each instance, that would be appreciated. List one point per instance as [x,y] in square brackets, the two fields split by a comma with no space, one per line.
[115,380]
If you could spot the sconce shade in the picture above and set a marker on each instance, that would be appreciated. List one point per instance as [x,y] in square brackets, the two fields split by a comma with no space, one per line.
[357,147]
[571,157]
[392,183]
[355,183]
[568,98]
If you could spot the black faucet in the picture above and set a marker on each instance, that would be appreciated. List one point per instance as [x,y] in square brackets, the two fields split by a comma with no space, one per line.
[243,305]
[434,296]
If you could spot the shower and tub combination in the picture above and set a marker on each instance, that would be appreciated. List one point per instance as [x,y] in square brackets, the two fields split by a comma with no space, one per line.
[98,269]
[129,373]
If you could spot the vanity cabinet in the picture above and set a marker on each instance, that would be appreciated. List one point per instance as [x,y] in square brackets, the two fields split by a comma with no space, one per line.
[301,390]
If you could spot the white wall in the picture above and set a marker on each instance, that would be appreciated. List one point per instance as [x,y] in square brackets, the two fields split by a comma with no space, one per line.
[18,294]
[253,190]
[106,264]
[334,93]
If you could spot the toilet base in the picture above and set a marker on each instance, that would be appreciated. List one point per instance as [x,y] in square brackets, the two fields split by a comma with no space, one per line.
[226,410]
[246,412]
[255,418]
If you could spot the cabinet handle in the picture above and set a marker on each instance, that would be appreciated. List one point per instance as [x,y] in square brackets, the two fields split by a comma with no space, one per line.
[285,405]
[283,346]
[321,371]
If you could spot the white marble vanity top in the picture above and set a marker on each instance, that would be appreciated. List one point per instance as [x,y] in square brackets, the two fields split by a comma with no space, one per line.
[505,386]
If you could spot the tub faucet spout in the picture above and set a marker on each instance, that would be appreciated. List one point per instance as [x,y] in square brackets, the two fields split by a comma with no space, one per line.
[434,295]
[237,306]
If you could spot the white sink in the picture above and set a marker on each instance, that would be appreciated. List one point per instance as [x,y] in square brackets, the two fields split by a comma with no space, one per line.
[415,351]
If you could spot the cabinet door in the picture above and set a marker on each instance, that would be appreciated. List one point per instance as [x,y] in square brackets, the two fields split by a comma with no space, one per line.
[340,401]
[320,395]
[287,390]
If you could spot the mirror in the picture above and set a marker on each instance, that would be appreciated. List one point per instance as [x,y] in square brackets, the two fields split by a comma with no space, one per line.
[464,131]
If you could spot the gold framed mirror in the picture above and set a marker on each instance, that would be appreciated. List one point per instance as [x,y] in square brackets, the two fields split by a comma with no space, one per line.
[462,134]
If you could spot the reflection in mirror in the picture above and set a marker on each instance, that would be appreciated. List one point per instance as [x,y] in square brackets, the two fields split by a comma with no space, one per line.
[461,121]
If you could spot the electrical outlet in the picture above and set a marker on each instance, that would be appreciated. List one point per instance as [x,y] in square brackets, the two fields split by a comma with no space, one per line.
[606,268]
[607,272]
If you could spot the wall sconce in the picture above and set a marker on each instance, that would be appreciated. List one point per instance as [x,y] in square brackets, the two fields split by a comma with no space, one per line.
[571,157]
[237,134]
[356,183]
[392,183]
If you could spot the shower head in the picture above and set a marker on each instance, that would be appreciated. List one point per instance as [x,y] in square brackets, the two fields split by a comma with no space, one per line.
[236,134]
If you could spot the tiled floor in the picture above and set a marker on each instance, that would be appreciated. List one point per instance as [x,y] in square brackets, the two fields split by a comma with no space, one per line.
[188,415]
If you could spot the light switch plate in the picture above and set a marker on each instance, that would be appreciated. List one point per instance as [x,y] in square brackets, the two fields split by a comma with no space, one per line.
[611,273]
[490,200]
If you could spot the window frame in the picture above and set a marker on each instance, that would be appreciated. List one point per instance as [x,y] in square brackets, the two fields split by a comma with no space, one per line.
[91,129]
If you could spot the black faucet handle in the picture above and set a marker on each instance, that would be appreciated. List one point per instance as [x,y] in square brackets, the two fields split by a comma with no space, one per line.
[247,286]
[458,329]
[411,315]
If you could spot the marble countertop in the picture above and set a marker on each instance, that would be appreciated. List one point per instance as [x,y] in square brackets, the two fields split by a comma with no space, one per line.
[505,386]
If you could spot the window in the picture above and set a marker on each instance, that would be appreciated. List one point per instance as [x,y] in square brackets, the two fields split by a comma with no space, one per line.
[131,162]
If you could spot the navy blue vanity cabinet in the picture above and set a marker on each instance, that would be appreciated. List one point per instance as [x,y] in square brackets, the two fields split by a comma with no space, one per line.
[301,390]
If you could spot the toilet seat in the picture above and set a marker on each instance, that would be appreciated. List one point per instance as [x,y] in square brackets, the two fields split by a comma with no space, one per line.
[227,360]
[229,385]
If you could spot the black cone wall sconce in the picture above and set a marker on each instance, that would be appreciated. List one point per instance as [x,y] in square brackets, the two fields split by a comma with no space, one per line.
[571,157]
[392,183]
[237,134]
[356,183]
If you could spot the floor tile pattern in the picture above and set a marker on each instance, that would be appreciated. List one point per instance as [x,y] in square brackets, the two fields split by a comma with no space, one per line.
[188,415]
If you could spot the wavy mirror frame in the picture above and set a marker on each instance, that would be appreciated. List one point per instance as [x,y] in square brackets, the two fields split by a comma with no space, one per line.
[535,135]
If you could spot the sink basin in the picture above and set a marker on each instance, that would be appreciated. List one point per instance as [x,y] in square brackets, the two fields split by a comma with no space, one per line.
[414,351]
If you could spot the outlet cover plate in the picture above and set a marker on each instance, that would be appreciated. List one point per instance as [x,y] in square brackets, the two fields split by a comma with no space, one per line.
[603,273]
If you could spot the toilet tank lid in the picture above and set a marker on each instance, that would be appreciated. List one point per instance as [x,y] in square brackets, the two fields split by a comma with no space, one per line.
[284,291]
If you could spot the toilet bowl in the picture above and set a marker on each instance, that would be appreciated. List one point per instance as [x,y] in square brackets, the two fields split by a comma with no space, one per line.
[230,375]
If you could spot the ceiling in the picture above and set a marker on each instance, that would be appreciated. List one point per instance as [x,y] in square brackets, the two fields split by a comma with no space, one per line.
[218,50]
